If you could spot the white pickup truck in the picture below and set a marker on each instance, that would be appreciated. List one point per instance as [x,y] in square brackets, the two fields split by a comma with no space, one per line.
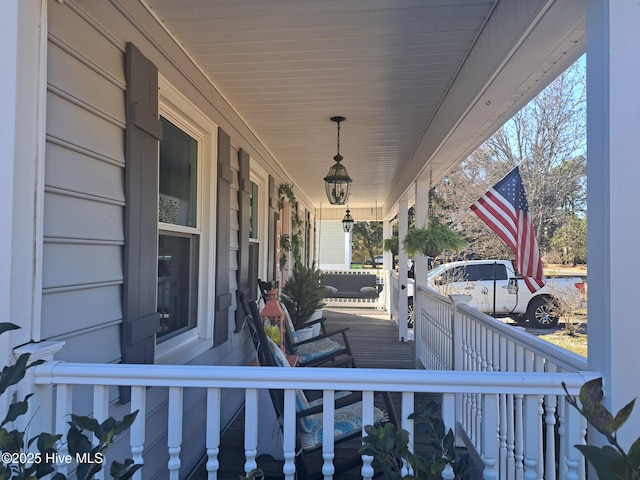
[512,297]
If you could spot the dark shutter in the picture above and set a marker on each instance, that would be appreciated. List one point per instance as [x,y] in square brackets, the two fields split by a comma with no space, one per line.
[273,212]
[223,297]
[244,199]
[143,132]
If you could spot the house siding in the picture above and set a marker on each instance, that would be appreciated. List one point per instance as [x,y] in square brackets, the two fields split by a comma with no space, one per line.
[83,246]
[82,270]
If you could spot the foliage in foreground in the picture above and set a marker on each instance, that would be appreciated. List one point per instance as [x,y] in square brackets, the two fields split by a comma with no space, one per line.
[610,462]
[33,458]
[390,448]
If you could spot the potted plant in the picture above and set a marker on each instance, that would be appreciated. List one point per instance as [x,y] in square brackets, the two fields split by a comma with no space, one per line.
[431,240]
[302,294]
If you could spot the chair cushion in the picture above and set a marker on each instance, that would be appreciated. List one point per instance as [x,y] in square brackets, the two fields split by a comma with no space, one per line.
[278,356]
[317,349]
[347,420]
[307,423]
[289,326]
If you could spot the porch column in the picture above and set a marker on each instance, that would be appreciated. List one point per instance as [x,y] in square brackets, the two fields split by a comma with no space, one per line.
[420,261]
[403,224]
[23,35]
[613,119]
[387,265]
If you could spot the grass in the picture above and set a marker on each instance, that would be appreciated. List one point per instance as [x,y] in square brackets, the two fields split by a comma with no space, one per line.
[574,341]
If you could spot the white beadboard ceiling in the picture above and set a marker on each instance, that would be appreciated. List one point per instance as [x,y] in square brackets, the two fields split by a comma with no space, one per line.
[420,82]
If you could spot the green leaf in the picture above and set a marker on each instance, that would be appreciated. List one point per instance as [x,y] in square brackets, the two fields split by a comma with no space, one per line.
[46,441]
[623,415]
[591,393]
[125,423]
[16,409]
[12,374]
[607,462]
[634,454]
[77,441]
[86,423]
[6,326]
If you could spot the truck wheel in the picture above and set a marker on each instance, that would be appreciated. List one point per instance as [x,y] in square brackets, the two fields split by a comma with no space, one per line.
[541,313]
[410,312]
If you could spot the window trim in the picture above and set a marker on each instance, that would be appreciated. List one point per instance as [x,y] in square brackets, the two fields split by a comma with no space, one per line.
[176,108]
[261,178]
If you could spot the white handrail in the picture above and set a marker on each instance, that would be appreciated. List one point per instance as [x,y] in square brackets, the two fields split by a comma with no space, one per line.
[485,391]
[318,378]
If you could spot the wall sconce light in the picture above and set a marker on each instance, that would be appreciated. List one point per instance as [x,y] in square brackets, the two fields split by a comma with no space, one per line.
[347,222]
[337,181]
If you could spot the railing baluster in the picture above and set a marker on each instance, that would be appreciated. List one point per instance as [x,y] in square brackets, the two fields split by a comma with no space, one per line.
[519,436]
[137,437]
[490,436]
[289,442]
[532,438]
[63,410]
[328,425]
[100,414]
[562,438]
[250,429]
[367,419]
[213,432]
[407,407]
[174,435]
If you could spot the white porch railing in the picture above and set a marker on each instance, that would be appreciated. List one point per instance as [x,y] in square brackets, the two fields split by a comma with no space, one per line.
[450,335]
[519,455]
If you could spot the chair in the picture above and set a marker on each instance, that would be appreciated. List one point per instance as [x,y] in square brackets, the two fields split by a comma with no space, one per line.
[347,415]
[321,349]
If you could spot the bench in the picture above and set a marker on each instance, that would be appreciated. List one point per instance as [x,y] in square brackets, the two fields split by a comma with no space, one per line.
[346,285]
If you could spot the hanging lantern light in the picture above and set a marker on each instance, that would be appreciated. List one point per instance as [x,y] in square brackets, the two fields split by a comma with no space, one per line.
[347,222]
[337,181]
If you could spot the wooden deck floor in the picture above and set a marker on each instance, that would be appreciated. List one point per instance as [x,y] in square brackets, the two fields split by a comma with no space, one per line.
[374,342]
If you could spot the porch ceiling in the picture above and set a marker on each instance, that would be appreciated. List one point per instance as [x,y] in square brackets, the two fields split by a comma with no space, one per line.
[421,82]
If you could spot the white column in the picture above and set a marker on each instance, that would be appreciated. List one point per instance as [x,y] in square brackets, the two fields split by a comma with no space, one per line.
[23,34]
[23,57]
[403,223]
[8,58]
[420,261]
[347,250]
[613,119]
[387,265]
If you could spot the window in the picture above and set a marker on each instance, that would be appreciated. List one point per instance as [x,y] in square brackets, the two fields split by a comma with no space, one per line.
[476,273]
[178,232]
[254,211]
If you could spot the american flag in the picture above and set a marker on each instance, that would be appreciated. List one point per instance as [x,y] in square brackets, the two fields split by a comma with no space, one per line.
[505,210]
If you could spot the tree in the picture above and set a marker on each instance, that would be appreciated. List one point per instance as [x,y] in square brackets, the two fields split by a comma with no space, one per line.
[569,241]
[367,240]
[546,139]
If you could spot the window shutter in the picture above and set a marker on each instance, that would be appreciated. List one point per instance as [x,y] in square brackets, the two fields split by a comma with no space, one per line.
[244,199]
[143,132]
[223,297]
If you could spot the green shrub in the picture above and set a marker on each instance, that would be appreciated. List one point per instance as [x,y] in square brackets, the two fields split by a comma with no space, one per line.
[389,447]
[20,462]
